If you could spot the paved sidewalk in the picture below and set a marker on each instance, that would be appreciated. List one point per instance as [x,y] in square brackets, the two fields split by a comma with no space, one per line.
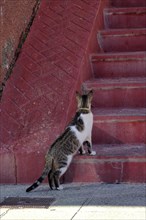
[74,202]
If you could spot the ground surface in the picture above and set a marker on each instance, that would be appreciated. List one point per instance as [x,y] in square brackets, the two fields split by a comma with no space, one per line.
[75,201]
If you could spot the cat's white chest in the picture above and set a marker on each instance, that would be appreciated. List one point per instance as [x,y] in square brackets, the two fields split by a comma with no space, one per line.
[88,123]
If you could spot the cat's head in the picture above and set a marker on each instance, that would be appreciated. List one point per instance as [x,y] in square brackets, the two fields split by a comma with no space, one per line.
[84,101]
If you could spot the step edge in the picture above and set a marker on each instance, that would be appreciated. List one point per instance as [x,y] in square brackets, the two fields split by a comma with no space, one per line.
[124,10]
[119,112]
[133,55]
[136,82]
[122,32]
[120,56]
[112,159]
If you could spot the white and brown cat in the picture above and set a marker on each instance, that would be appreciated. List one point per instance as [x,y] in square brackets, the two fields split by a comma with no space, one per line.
[61,152]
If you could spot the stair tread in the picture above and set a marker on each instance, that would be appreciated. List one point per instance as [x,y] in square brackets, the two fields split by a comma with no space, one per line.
[122,40]
[104,151]
[135,55]
[125,10]
[121,81]
[131,17]
[128,3]
[120,112]
[124,32]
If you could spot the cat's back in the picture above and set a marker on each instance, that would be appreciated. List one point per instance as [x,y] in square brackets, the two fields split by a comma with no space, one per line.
[67,143]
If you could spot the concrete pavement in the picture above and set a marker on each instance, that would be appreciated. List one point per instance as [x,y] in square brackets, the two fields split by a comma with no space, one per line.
[74,202]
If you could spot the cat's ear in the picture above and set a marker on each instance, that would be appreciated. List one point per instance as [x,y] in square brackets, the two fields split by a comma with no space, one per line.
[90,95]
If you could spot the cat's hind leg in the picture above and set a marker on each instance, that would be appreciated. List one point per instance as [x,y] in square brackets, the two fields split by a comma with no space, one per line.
[57,181]
[51,179]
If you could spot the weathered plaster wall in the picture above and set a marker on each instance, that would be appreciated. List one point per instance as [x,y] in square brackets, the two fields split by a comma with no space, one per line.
[14,17]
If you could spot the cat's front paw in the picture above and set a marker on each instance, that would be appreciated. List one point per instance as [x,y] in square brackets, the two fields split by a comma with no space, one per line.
[83,152]
[93,153]
[60,187]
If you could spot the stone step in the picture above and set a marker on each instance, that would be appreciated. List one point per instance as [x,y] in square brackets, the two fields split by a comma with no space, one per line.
[124,64]
[128,3]
[118,92]
[112,164]
[119,125]
[125,17]
[122,40]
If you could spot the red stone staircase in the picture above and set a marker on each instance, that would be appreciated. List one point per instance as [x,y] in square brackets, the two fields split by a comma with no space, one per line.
[119,103]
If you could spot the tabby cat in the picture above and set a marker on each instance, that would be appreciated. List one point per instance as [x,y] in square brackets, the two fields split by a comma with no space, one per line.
[61,152]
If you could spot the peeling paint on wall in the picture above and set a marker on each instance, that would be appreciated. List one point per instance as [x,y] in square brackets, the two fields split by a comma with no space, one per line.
[7,53]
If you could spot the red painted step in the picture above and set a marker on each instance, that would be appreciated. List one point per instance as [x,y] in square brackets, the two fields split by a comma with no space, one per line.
[122,40]
[125,17]
[119,125]
[128,3]
[112,164]
[128,64]
[121,92]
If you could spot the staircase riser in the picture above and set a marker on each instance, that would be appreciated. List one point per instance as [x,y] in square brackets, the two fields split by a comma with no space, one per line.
[128,3]
[119,131]
[118,21]
[122,44]
[129,68]
[119,97]
[29,170]
[7,167]
[106,171]
[102,170]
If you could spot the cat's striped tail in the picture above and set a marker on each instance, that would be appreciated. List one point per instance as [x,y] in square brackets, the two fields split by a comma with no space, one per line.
[39,180]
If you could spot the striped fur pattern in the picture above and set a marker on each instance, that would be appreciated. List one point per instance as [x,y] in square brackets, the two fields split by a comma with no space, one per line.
[61,152]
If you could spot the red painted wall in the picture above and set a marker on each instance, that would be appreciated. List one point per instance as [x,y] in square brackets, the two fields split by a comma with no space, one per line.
[39,98]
